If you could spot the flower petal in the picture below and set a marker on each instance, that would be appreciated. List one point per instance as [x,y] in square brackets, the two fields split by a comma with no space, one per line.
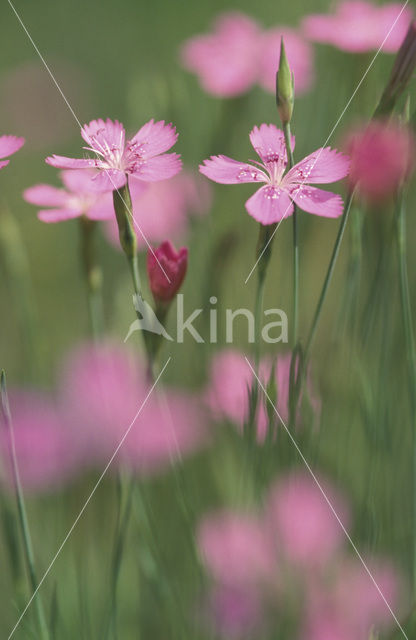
[269,204]
[58,215]
[228,171]
[154,138]
[158,168]
[45,195]
[9,145]
[104,135]
[269,142]
[78,180]
[317,201]
[4,163]
[61,162]
[108,180]
[321,167]
[103,209]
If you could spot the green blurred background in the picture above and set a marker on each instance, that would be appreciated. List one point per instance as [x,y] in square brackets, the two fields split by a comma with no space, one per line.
[120,60]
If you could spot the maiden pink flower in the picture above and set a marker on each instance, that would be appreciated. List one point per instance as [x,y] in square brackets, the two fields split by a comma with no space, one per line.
[47,452]
[75,200]
[359,26]
[225,60]
[166,261]
[102,391]
[142,157]
[238,55]
[8,146]
[274,201]
[163,209]
[382,156]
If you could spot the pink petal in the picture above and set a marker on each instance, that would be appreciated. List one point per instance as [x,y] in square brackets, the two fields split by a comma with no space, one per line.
[269,142]
[159,168]
[58,215]
[9,145]
[154,138]
[60,162]
[269,204]
[103,209]
[321,167]
[4,163]
[228,171]
[78,180]
[103,134]
[317,201]
[44,195]
[108,180]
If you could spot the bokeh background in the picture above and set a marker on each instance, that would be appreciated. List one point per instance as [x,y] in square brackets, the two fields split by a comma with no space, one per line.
[120,60]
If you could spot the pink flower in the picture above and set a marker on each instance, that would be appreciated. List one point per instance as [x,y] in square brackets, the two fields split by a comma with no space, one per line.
[360,26]
[299,54]
[103,392]
[166,270]
[307,532]
[47,452]
[236,612]
[237,55]
[142,157]
[230,378]
[235,548]
[226,60]
[274,201]
[8,146]
[77,199]
[382,156]
[162,210]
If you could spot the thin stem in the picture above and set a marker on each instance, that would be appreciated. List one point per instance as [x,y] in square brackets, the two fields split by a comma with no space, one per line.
[410,347]
[93,277]
[258,310]
[21,510]
[328,276]
[291,162]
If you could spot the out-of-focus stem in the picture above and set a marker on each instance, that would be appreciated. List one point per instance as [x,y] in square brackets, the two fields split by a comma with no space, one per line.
[93,277]
[291,162]
[21,510]
[410,347]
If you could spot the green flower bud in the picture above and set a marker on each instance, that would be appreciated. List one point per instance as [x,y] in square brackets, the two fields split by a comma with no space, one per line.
[284,87]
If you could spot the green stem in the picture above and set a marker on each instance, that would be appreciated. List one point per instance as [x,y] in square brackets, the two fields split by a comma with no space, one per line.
[93,277]
[21,510]
[410,347]
[291,162]
[328,277]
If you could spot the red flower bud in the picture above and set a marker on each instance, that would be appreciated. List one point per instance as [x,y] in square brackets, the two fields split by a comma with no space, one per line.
[166,269]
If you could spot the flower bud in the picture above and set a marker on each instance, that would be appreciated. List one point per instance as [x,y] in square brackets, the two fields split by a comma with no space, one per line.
[166,269]
[284,87]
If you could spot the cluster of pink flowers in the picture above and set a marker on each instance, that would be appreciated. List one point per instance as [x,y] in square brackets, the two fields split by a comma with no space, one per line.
[289,563]
[101,392]
[238,54]
[230,378]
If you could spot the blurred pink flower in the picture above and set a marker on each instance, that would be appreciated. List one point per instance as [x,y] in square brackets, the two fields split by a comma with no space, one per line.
[102,391]
[77,199]
[306,530]
[230,379]
[166,270]
[163,210]
[274,201]
[360,26]
[238,54]
[235,548]
[47,452]
[8,146]
[382,156]
[142,157]
[235,612]
[225,60]
[299,54]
